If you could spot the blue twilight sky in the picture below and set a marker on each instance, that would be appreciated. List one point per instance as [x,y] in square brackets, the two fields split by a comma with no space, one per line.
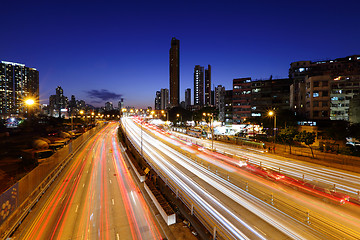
[123,46]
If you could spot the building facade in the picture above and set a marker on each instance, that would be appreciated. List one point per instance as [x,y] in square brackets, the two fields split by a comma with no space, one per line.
[241,99]
[299,71]
[343,91]
[164,103]
[174,72]
[269,94]
[187,98]
[219,101]
[17,83]
[208,86]
[158,100]
[228,107]
[57,102]
[317,99]
[199,86]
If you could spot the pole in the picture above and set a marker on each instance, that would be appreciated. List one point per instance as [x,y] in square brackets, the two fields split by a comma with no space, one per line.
[141,139]
[72,122]
[212,132]
[274,131]
[274,128]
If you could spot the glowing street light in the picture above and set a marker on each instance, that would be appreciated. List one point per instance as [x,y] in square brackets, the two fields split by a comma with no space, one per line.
[271,113]
[29,101]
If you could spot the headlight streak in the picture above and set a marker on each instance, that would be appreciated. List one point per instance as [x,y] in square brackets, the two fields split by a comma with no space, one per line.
[343,218]
[136,208]
[227,225]
[228,189]
[292,168]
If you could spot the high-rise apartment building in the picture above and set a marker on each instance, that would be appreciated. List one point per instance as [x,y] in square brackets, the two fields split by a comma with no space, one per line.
[208,86]
[241,99]
[317,98]
[301,70]
[57,102]
[344,90]
[199,86]
[174,71]
[164,102]
[187,98]
[228,109]
[269,94]
[17,83]
[219,101]
[158,100]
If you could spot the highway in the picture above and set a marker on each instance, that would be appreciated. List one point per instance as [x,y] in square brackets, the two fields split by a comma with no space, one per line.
[235,213]
[345,181]
[94,198]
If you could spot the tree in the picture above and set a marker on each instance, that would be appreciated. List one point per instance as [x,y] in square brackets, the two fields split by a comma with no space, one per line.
[287,135]
[306,137]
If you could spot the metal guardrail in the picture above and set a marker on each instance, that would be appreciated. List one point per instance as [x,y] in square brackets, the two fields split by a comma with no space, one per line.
[303,215]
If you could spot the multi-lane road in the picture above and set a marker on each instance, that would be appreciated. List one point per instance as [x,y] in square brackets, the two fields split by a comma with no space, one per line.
[95,198]
[221,203]
[345,181]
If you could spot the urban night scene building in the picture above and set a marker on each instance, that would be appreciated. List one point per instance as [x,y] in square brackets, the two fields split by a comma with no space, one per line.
[180,120]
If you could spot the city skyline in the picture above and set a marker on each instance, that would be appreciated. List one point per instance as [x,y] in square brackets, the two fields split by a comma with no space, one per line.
[92,47]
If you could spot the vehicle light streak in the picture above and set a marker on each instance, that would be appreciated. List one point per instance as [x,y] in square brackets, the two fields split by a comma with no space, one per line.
[133,132]
[220,218]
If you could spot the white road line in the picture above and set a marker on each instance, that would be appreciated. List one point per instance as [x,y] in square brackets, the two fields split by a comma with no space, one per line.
[110,181]
[113,202]
[77,206]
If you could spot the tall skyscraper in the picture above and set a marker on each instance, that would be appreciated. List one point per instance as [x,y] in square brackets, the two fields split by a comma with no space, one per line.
[158,100]
[208,86]
[174,65]
[220,101]
[187,97]
[57,102]
[199,86]
[164,102]
[17,82]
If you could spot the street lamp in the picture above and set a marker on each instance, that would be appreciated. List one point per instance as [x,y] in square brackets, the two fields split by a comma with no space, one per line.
[29,102]
[177,116]
[272,114]
[211,128]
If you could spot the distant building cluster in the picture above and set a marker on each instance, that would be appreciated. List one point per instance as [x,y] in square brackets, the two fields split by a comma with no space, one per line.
[314,90]
[61,106]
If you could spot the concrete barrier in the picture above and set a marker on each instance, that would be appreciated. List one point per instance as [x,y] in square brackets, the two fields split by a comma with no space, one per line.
[168,216]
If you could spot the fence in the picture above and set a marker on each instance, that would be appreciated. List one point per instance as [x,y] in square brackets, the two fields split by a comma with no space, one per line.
[20,198]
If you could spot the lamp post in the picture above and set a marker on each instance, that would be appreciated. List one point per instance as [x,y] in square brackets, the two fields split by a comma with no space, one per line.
[142,120]
[211,128]
[272,114]
[178,115]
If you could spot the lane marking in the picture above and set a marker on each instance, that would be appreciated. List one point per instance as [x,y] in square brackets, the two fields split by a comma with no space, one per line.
[110,181]
[117,236]
[113,202]
[77,206]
